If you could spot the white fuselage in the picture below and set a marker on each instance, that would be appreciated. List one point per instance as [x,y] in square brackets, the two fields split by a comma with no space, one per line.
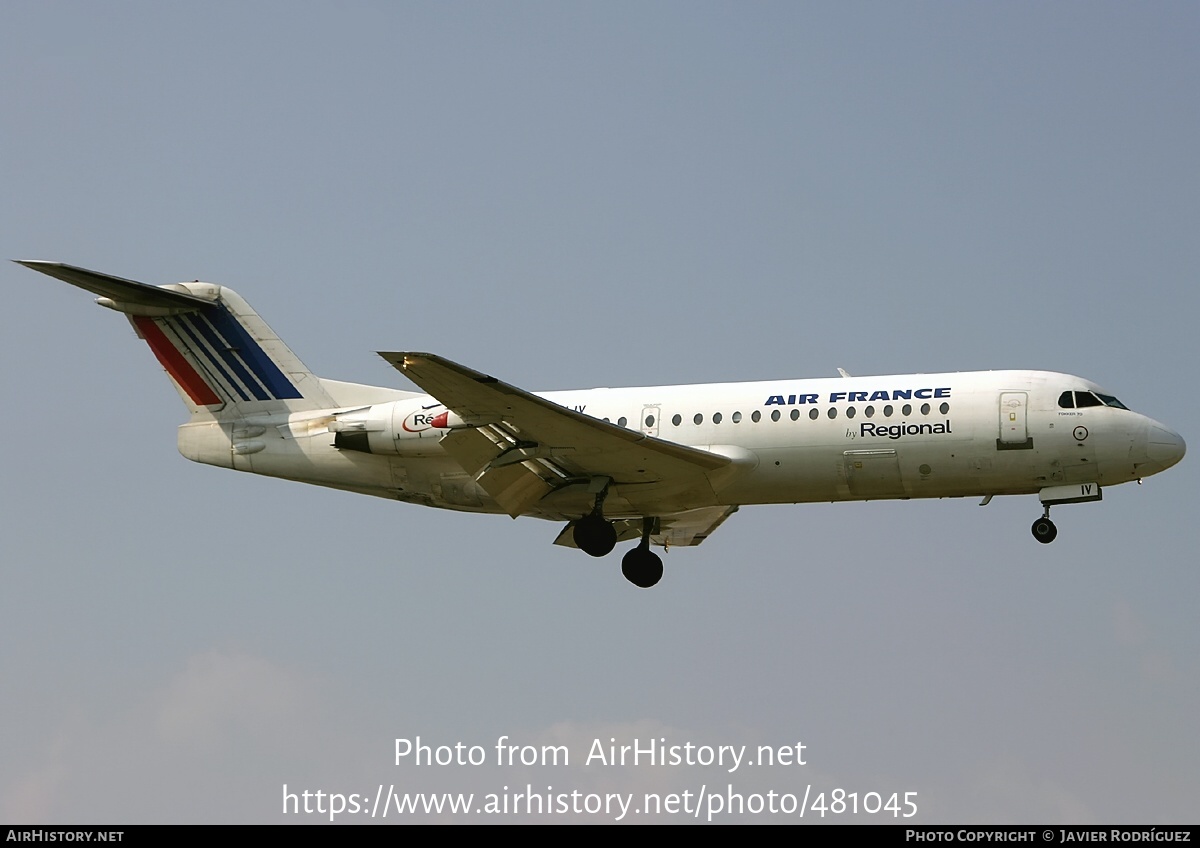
[662,465]
[791,441]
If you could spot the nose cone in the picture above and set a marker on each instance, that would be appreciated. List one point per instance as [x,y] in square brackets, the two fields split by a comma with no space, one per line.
[1164,447]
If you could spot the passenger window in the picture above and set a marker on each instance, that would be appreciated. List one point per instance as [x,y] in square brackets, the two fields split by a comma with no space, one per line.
[924,409]
[676,419]
[622,421]
[869,412]
[887,411]
[850,412]
[698,419]
[813,414]
[756,416]
[795,415]
[944,408]
[649,420]
[906,409]
[716,418]
[833,412]
[775,415]
[737,417]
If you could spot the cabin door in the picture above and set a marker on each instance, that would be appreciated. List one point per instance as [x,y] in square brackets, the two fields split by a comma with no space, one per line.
[1014,425]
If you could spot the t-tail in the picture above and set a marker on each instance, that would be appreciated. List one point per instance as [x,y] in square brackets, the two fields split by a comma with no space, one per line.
[221,356]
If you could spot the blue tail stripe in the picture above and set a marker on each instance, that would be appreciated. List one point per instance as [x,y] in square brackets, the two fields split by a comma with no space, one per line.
[223,349]
[196,347]
[252,354]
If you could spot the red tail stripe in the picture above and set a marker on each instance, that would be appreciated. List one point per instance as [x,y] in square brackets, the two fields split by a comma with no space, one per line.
[178,367]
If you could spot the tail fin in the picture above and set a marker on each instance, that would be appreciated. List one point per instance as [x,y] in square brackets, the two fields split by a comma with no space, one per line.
[221,356]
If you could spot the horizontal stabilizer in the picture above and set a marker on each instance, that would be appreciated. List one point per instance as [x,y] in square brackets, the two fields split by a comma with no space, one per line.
[120,290]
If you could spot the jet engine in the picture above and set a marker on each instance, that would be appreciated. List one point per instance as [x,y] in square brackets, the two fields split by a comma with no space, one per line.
[399,428]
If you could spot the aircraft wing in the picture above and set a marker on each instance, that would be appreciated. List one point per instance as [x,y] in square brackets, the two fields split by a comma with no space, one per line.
[521,447]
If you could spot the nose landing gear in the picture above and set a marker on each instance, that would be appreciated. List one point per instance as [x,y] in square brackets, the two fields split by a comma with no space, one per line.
[1043,529]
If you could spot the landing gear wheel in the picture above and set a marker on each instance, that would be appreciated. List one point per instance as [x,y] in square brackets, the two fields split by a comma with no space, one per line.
[594,536]
[1044,530]
[642,567]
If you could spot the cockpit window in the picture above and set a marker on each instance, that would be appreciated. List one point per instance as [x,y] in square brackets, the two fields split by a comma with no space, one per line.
[1080,400]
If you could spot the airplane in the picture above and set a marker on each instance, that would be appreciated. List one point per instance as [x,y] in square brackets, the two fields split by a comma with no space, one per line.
[663,465]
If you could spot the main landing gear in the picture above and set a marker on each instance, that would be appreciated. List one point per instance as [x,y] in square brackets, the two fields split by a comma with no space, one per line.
[596,536]
[592,534]
[1043,529]
[641,566]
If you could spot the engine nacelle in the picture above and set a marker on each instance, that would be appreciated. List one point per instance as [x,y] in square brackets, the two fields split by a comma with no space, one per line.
[403,428]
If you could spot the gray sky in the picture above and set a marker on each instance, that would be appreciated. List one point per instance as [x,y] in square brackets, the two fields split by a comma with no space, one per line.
[570,195]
